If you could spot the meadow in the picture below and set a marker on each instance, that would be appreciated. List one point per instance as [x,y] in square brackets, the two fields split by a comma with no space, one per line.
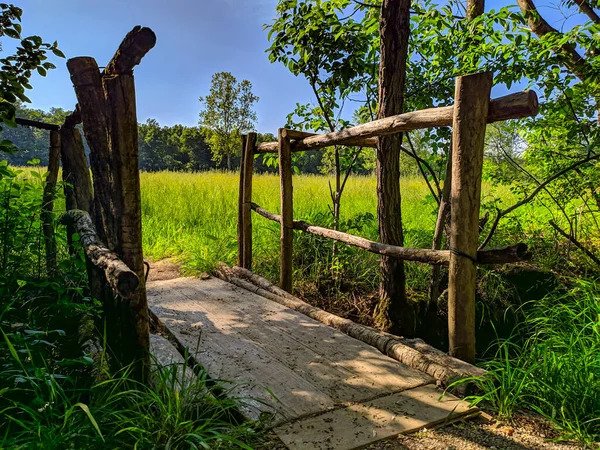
[193,216]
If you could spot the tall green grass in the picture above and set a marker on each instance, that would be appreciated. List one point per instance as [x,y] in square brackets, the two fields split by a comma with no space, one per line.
[193,217]
[55,396]
[552,363]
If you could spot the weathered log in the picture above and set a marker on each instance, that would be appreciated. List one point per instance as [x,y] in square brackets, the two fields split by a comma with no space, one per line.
[87,82]
[248,170]
[412,352]
[119,91]
[240,228]
[297,146]
[121,278]
[134,47]
[512,106]
[76,172]
[470,117]
[36,124]
[287,210]
[503,255]
[48,202]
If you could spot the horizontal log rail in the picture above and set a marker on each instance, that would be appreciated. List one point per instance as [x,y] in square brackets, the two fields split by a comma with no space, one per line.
[513,106]
[37,124]
[120,278]
[503,255]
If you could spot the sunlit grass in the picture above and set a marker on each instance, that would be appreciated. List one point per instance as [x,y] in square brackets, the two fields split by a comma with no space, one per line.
[193,216]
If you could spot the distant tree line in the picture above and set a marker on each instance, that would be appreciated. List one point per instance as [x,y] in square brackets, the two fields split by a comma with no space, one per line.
[175,148]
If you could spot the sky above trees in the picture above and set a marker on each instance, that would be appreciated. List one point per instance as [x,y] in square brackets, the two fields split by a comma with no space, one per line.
[196,38]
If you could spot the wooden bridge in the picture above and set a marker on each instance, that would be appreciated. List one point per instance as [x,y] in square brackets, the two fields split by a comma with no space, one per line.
[323,381]
[318,387]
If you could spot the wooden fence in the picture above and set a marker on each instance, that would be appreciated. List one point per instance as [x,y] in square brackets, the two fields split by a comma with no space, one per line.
[472,110]
[104,206]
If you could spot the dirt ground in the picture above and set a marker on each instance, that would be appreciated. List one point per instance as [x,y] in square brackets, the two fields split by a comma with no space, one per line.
[526,431]
[166,269]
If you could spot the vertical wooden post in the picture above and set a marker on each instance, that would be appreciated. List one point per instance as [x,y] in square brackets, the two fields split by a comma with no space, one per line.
[240,232]
[48,202]
[76,171]
[108,111]
[471,103]
[248,158]
[87,82]
[287,210]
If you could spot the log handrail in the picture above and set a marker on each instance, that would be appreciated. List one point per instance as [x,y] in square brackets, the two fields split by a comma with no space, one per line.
[512,106]
[504,255]
[120,278]
[37,124]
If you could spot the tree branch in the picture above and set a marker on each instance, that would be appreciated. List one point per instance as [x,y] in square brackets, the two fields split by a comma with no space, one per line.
[571,57]
[575,242]
[588,10]
[502,213]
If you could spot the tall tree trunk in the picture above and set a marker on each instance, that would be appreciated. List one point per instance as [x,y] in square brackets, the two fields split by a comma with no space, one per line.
[394,312]
[229,161]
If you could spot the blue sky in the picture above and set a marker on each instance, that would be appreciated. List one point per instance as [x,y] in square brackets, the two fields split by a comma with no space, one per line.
[196,38]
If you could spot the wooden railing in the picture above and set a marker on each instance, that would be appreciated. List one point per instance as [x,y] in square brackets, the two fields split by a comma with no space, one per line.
[107,217]
[472,111]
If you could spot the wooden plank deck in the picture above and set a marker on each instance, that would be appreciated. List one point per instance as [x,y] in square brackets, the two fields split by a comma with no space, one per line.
[311,378]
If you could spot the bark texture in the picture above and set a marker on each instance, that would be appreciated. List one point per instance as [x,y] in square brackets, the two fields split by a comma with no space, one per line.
[472,100]
[108,112]
[393,312]
[512,106]
[248,170]
[287,210]
[121,278]
[502,255]
[240,228]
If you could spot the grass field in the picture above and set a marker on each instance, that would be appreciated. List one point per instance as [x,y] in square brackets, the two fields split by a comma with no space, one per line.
[193,217]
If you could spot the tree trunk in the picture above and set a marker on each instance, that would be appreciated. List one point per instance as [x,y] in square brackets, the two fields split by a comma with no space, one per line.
[394,312]
[132,314]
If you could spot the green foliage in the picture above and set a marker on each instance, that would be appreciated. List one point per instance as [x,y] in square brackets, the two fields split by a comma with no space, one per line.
[551,364]
[176,148]
[227,112]
[52,394]
[30,56]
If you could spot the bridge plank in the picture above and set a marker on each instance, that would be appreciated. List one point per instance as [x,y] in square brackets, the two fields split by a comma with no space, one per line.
[301,342]
[363,423]
[324,389]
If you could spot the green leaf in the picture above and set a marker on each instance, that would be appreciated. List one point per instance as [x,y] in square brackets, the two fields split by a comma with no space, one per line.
[87,411]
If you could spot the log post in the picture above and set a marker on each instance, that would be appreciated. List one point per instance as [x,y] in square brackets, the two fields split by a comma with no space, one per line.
[119,91]
[87,83]
[287,208]
[472,96]
[76,172]
[248,169]
[48,202]
[108,112]
[240,229]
